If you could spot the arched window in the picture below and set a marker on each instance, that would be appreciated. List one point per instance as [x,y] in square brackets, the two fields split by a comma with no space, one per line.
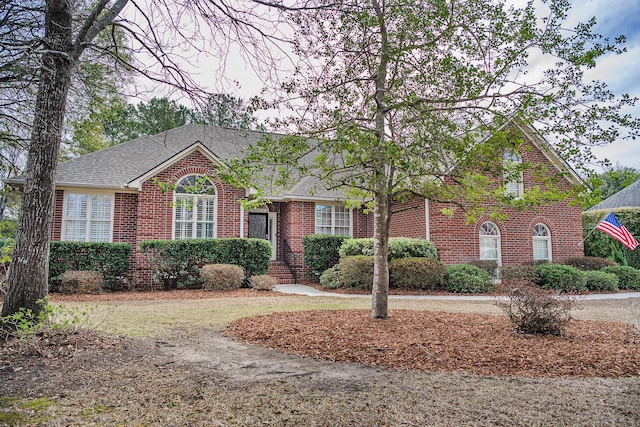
[541,243]
[490,242]
[195,207]
[513,179]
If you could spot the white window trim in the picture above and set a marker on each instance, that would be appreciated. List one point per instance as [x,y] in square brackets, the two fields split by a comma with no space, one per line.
[333,222]
[547,239]
[63,227]
[498,238]
[520,178]
[194,222]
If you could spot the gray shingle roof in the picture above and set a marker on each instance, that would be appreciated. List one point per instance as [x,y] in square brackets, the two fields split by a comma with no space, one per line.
[113,168]
[626,198]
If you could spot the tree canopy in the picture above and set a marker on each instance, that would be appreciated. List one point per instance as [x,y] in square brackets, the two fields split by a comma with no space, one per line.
[397,97]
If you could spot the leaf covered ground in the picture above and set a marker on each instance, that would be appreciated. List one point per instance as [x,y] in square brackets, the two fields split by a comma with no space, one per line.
[417,368]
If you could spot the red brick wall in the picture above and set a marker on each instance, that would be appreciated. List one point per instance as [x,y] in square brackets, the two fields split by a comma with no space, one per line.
[155,213]
[458,242]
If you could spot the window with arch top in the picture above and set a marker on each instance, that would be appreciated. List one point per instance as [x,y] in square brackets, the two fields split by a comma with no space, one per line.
[541,243]
[513,178]
[195,207]
[490,242]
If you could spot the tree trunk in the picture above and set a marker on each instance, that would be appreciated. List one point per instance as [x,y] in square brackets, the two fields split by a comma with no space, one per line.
[381,221]
[27,282]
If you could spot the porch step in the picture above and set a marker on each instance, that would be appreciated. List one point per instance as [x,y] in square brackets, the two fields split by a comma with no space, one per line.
[280,271]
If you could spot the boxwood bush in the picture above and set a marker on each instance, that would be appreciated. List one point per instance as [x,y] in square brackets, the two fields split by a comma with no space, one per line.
[181,260]
[587,263]
[416,274]
[357,272]
[111,260]
[628,277]
[601,281]
[321,251]
[562,278]
[466,278]
[399,247]
[518,275]
[332,278]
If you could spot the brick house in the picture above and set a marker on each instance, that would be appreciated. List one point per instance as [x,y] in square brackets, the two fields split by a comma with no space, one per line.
[113,195]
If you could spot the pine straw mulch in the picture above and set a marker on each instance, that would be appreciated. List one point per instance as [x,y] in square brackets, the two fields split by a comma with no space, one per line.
[438,341]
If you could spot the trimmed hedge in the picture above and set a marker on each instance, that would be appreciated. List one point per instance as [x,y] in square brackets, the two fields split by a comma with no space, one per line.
[518,275]
[562,278]
[399,247]
[489,266]
[181,260]
[599,244]
[589,263]
[416,274]
[357,272]
[466,278]
[628,277]
[332,278]
[111,260]
[322,251]
[597,280]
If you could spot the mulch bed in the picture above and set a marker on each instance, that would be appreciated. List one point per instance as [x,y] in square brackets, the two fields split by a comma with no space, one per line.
[428,341]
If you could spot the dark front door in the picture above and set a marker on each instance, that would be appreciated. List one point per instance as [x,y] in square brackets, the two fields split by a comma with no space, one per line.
[258,226]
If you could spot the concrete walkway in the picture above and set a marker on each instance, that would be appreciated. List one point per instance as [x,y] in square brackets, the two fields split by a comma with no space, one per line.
[313,292]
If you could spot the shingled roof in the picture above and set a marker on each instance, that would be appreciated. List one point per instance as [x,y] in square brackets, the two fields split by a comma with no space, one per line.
[626,198]
[123,166]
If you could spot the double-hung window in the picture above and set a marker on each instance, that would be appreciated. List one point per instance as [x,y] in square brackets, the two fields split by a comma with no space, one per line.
[541,243]
[88,217]
[194,208]
[333,219]
[513,178]
[490,242]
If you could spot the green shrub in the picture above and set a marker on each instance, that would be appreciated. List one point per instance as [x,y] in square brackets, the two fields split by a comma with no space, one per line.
[489,266]
[332,278]
[111,260]
[181,260]
[562,278]
[80,282]
[399,247]
[219,277]
[357,272]
[628,277]
[466,278]
[589,263]
[518,275]
[321,251]
[263,283]
[416,273]
[601,281]
[535,311]
[356,247]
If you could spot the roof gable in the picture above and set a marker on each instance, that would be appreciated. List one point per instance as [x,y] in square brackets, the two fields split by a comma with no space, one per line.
[197,146]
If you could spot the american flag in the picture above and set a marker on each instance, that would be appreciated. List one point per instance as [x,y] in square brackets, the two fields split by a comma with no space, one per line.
[613,228]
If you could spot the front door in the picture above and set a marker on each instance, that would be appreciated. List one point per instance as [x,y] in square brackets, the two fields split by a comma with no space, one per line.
[263,226]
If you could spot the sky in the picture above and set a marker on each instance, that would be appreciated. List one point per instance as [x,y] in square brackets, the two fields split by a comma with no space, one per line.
[620,72]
